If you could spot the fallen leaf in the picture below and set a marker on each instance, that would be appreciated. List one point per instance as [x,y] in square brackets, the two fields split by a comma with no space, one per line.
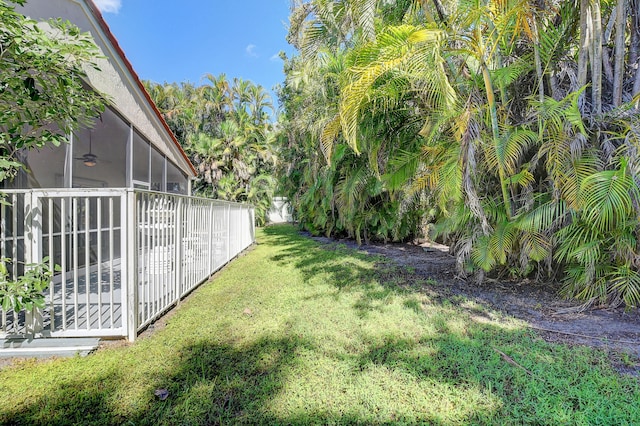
[162,394]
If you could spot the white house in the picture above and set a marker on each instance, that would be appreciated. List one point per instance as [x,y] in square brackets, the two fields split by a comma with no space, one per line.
[131,145]
[112,209]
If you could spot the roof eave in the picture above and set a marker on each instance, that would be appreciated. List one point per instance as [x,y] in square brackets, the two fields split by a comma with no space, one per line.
[105,28]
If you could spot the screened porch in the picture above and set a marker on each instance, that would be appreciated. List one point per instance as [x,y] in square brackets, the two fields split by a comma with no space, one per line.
[125,256]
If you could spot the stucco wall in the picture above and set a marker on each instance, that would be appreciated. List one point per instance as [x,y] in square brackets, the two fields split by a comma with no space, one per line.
[114,78]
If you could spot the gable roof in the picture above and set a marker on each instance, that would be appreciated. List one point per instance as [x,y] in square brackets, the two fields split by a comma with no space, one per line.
[105,28]
[116,77]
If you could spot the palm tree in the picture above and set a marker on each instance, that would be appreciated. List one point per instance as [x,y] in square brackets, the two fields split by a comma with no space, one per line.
[214,101]
[510,118]
[224,129]
[259,100]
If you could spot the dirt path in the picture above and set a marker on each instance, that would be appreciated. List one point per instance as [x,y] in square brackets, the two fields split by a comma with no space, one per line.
[612,329]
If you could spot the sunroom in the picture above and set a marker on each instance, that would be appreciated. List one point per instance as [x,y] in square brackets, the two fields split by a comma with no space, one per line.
[112,210]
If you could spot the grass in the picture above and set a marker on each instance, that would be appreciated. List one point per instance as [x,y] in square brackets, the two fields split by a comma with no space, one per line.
[296,333]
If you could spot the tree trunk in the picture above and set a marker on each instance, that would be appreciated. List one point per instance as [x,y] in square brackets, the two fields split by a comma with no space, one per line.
[537,59]
[596,58]
[553,84]
[634,49]
[585,42]
[619,70]
[606,38]
[606,64]
[606,52]
[440,10]
[634,39]
[636,89]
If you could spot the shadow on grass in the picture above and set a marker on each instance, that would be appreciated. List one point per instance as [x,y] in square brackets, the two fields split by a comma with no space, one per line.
[374,278]
[447,373]
[214,384]
[551,384]
[71,401]
[222,384]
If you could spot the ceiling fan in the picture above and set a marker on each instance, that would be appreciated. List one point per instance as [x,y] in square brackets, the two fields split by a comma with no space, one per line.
[89,159]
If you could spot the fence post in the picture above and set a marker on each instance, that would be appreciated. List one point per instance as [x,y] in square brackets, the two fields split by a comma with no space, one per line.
[253,225]
[244,226]
[240,233]
[228,233]
[210,262]
[129,224]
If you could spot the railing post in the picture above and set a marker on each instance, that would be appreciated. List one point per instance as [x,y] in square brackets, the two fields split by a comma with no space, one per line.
[130,262]
[32,253]
[179,256]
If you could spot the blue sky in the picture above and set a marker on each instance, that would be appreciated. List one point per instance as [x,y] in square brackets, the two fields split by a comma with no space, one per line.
[182,40]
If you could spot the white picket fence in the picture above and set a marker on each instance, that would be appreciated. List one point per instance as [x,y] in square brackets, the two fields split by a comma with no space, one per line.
[125,256]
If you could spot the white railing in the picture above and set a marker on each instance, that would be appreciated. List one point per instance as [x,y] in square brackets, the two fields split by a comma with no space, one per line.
[125,256]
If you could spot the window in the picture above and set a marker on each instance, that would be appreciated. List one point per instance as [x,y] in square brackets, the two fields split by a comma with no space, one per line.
[141,157]
[157,171]
[44,168]
[100,153]
[176,180]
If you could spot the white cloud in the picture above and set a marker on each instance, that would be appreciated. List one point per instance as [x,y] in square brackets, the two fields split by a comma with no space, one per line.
[275,57]
[108,6]
[251,50]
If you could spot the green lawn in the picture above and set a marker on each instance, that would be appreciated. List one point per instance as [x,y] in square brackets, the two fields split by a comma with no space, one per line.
[293,333]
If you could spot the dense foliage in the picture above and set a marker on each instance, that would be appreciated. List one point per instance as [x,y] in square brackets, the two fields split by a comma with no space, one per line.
[225,129]
[511,127]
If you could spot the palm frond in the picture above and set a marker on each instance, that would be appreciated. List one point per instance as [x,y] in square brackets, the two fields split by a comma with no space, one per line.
[579,243]
[351,188]
[625,283]
[502,241]
[515,147]
[365,12]
[586,282]
[535,245]
[543,218]
[329,135]
[608,197]
[507,75]
[523,178]
[394,49]
[482,254]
